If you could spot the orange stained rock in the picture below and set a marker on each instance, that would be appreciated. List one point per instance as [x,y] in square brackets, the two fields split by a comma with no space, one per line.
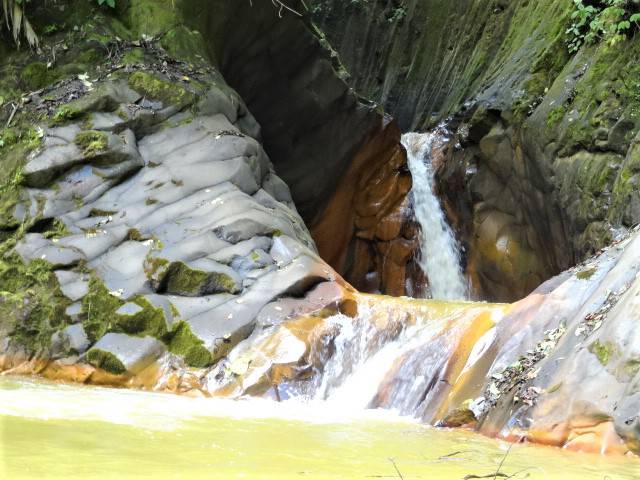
[460,374]
[390,225]
[600,438]
[334,228]
[75,372]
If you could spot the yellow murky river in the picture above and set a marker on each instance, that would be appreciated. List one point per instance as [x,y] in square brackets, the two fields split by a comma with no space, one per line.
[52,431]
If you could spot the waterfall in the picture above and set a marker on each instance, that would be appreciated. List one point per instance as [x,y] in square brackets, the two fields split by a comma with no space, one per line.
[439,255]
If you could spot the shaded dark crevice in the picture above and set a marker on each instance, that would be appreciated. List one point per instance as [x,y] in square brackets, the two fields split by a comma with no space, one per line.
[312,122]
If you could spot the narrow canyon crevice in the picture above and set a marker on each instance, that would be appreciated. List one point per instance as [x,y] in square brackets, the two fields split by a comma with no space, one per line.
[338,153]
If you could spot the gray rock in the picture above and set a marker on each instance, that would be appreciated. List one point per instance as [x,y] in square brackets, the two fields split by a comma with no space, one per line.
[132,354]
[73,285]
[72,339]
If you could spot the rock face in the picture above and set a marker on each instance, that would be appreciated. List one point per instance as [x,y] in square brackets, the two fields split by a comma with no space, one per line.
[547,140]
[367,232]
[148,222]
[182,226]
[341,157]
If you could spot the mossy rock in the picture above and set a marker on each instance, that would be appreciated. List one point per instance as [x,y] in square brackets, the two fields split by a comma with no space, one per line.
[36,75]
[147,320]
[184,343]
[133,57]
[33,307]
[65,114]
[151,17]
[92,142]
[186,281]
[107,361]
[99,306]
[185,44]
[156,89]
[602,351]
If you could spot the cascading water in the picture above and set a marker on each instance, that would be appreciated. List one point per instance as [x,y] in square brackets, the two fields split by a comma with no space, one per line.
[358,374]
[439,256]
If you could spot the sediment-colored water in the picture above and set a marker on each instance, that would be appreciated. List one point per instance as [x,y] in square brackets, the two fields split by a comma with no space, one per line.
[56,431]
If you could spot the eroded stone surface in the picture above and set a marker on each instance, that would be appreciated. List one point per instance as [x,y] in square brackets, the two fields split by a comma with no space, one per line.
[168,220]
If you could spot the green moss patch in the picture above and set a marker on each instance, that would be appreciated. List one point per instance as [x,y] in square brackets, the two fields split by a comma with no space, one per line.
[36,75]
[184,343]
[32,307]
[150,321]
[99,307]
[92,142]
[65,114]
[101,317]
[157,89]
[187,281]
[107,361]
[586,274]
[602,351]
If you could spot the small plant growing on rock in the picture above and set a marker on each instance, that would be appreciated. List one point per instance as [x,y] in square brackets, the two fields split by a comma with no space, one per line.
[610,21]
[397,14]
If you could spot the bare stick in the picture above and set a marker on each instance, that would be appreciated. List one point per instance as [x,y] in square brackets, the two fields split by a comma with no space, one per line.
[503,460]
[396,467]
[15,109]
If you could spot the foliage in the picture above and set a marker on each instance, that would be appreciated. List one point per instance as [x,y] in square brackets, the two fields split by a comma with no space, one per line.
[610,21]
[397,14]
[13,12]
[17,23]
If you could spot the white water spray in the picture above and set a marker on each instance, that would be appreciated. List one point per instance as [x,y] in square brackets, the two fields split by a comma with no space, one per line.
[439,256]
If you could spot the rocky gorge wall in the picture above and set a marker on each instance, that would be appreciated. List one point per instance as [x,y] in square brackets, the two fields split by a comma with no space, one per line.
[541,172]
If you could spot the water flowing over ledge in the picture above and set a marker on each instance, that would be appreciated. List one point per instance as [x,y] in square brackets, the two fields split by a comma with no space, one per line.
[439,255]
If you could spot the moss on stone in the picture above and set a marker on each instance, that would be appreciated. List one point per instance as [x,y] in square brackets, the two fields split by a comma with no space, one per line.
[150,321]
[151,17]
[586,274]
[184,280]
[33,307]
[10,194]
[157,89]
[65,114]
[91,56]
[92,142]
[97,212]
[36,75]
[57,230]
[185,44]
[155,267]
[602,351]
[99,306]
[135,235]
[16,143]
[556,116]
[107,361]
[184,343]
[134,56]
[174,311]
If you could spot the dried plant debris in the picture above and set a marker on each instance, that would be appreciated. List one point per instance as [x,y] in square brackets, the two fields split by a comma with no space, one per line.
[593,321]
[47,101]
[515,377]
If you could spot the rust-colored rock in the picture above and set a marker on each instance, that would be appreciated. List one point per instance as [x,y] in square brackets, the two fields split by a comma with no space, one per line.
[370,208]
